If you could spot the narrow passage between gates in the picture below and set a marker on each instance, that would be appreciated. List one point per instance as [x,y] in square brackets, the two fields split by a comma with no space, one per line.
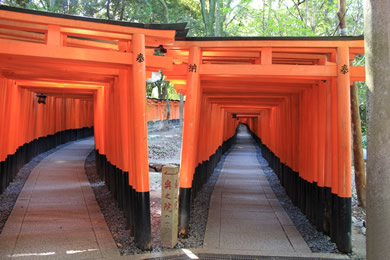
[244,212]
[56,213]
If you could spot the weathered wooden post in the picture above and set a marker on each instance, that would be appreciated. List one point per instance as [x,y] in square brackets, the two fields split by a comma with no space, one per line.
[169,205]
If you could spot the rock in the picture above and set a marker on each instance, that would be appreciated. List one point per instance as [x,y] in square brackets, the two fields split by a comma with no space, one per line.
[155,167]
[358,223]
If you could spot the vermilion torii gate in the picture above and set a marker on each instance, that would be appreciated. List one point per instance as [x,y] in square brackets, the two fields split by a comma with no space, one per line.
[293,93]
[93,73]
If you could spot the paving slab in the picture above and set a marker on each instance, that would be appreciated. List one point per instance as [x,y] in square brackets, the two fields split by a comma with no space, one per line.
[244,213]
[56,215]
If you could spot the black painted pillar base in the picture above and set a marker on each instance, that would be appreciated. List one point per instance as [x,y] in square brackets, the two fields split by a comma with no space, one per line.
[201,175]
[330,213]
[26,152]
[134,205]
[327,223]
[344,234]
[143,232]
[184,211]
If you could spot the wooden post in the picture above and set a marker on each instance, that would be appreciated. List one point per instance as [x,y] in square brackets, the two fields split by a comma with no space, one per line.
[190,137]
[143,228]
[343,239]
[169,205]
[360,170]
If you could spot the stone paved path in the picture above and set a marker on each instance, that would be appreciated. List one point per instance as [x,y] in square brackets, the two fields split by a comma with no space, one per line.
[56,214]
[244,213]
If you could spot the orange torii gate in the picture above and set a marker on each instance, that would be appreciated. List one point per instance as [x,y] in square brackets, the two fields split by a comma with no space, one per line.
[293,93]
[93,73]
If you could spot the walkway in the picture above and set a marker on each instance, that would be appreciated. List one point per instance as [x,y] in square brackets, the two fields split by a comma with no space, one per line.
[56,213]
[244,213]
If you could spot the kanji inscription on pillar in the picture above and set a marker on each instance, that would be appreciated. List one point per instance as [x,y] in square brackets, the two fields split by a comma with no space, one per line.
[169,205]
[344,69]
[192,67]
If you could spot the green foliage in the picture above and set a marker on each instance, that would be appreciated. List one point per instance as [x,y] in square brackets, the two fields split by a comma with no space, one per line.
[218,17]
[149,89]
[362,95]
[172,94]
[161,85]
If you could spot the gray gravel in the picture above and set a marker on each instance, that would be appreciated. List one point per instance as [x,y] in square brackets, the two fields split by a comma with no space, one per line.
[200,209]
[117,223]
[317,241]
[113,215]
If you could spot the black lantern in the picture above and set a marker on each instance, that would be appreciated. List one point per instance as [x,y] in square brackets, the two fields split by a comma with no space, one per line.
[158,51]
[162,49]
[41,99]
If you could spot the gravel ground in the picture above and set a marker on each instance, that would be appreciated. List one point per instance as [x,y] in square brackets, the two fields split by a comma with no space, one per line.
[113,215]
[200,210]
[358,213]
[9,196]
[317,241]
[117,223]
[165,146]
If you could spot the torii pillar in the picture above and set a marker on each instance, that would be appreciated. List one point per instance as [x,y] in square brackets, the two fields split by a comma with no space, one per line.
[377,49]
[190,138]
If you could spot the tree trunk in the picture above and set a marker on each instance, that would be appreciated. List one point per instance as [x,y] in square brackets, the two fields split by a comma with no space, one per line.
[218,20]
[377,35]
[358,160]
[212,14]
[209,16]
[342,21]
[159,90]
[181,111]
[205,14]
[122,10]
[263,18]
[166,10]
[168,107]
[108,10]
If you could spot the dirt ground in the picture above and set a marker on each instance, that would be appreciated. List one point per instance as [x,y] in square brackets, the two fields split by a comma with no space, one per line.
[164,148]
[358,224]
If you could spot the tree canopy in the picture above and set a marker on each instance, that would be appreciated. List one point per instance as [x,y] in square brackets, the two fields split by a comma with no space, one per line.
[218,17]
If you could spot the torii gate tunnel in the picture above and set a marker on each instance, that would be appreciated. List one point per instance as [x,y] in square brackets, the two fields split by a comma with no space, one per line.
[293,93]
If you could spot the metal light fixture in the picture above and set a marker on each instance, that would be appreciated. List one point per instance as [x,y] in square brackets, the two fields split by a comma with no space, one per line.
[162,49]
[41,98]
[158,51]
